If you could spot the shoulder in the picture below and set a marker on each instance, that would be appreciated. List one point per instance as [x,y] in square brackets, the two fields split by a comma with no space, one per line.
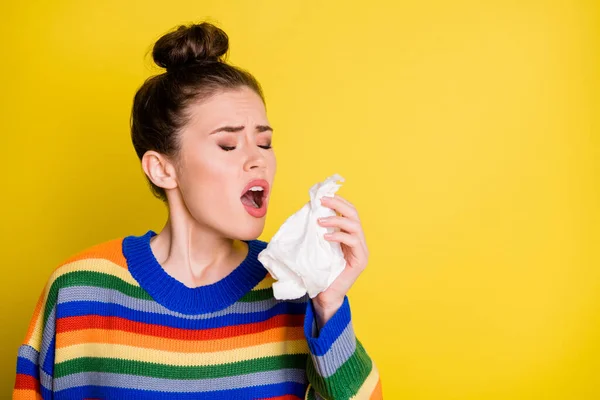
[102,258]
[111,250]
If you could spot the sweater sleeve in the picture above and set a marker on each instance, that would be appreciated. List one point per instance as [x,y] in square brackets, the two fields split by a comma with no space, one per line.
[35,357]
[338,367]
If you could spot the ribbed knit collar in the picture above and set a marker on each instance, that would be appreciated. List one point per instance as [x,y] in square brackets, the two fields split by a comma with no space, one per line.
[174,295]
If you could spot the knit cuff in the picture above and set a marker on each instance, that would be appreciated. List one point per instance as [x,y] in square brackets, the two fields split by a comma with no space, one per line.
[338,365]
[321,340]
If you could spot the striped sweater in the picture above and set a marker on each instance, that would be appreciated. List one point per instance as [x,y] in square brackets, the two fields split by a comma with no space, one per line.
[112,324]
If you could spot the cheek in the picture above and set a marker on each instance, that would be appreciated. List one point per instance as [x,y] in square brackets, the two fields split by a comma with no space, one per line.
[201,174]
[273,164]
[206,178]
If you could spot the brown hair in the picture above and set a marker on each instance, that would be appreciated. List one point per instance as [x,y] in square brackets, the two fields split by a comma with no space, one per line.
[195,70]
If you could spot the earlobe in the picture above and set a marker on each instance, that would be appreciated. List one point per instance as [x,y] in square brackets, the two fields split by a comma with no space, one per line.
[159,170]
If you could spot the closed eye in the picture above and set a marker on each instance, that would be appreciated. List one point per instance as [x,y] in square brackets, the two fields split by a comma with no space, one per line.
[229,148]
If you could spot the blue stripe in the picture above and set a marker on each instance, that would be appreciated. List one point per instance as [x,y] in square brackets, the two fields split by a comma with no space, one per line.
[320,344]
[114,393]
[26,367]
[81,308]
[48,366]
[46,393]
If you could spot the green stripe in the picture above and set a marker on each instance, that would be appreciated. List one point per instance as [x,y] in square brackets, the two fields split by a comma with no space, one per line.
[121,366]
[348,378]
[90,278]
[258,295]
[311,393]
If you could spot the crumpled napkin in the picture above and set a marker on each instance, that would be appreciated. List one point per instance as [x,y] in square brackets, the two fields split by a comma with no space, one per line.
[298,256]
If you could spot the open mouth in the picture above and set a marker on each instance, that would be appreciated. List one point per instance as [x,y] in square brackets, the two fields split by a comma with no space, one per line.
[254,197]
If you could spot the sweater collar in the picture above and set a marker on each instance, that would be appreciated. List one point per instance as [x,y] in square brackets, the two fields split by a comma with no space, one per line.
[174,295]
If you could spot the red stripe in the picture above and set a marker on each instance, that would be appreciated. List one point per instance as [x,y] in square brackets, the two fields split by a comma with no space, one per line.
[27,382]
[285,397]
[122,324]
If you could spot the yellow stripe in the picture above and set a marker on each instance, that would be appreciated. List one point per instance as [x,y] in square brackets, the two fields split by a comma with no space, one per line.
[267,282]
[35,340]
[368,385]
[91,264]
[180,359]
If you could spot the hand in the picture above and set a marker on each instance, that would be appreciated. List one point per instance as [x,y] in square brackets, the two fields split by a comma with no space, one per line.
[356,254]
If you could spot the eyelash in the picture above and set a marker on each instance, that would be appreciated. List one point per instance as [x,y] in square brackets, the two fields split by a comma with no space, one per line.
[228,148]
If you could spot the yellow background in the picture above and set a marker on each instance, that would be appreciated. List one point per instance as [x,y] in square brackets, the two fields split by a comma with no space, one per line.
[467,131]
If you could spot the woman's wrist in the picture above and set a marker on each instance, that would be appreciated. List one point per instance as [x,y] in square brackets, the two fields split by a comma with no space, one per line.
[324,312]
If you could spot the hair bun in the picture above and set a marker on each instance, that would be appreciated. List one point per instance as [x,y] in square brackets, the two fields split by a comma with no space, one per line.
[194,44]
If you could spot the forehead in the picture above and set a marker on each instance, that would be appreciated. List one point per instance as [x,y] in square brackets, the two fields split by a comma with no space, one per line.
[234,106]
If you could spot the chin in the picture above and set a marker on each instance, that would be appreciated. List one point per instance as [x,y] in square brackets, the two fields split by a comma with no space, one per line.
[250,231]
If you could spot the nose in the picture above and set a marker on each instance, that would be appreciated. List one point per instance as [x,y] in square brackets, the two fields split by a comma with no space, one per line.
[255,159]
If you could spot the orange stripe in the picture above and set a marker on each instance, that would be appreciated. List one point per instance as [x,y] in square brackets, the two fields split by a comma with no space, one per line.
[111,250]
[177,345]
[377,392]
[26,394]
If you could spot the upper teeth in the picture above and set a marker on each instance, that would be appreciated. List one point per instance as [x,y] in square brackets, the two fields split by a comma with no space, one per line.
[256,188]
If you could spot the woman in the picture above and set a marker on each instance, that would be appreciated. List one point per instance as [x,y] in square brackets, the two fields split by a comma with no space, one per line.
[189,313]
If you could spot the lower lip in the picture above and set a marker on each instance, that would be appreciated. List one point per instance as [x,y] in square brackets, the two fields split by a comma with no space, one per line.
[257,212]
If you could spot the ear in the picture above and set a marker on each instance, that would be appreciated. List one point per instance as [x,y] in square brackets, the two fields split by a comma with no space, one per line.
[159,170]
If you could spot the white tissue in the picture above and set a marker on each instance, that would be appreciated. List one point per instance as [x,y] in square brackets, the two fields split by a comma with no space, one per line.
[298,256]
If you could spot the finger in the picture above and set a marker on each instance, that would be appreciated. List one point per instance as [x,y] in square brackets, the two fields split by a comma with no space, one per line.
[338,205]
[344,237]
[343,200]
[345,224]
[337,196]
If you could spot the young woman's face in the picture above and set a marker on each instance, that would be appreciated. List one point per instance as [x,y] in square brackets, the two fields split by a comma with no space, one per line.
[225,151]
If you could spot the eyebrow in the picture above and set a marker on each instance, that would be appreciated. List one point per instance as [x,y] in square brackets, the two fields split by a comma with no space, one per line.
[259,128]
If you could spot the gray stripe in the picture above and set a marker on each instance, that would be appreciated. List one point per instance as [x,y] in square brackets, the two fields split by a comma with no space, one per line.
[339,352]
[46,380]
[29,353]
[179,385]
[94,293]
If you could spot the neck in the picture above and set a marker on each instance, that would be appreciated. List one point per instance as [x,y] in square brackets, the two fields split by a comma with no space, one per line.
[194,254]
[176,296]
